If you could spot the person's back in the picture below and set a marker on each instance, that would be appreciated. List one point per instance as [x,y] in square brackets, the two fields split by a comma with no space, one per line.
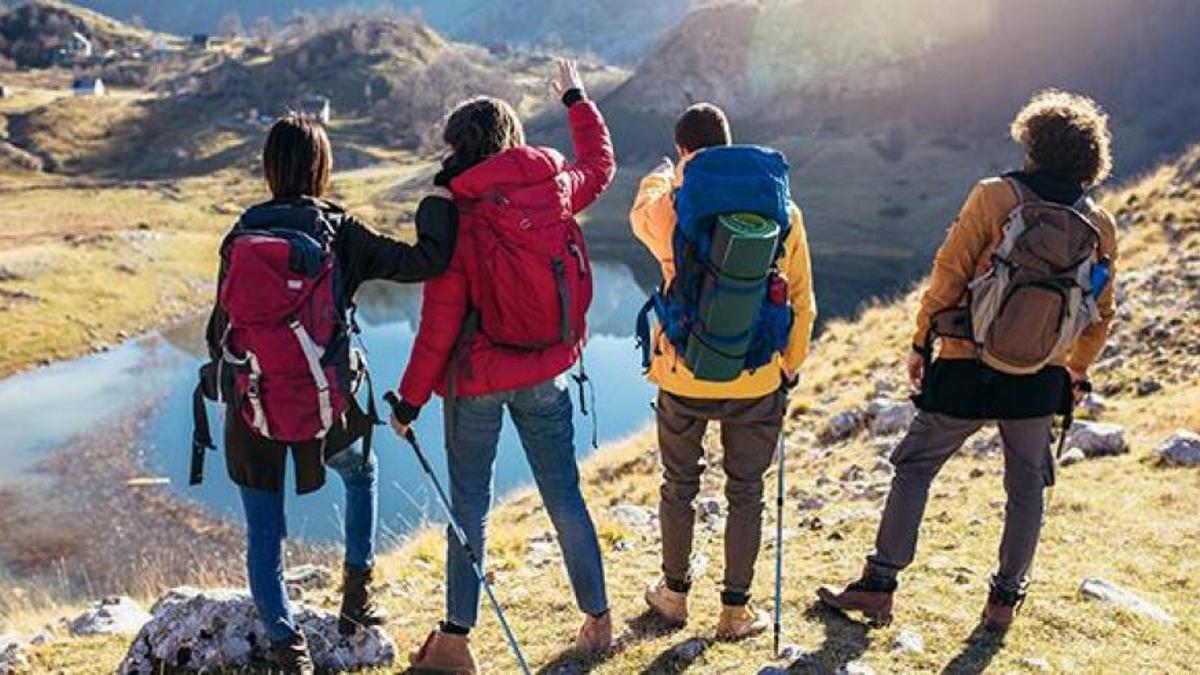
[498,331]
[751,405]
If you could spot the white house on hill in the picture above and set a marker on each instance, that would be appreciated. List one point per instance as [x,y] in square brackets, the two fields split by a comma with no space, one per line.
[88,86]
[317,106]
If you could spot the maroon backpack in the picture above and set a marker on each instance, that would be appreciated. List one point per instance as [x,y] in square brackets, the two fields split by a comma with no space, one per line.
[535,279]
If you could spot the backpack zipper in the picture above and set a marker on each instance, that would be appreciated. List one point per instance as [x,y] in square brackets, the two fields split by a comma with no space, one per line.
[564,297]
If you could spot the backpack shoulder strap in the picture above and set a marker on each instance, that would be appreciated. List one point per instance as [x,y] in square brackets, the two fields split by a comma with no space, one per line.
[1023,193]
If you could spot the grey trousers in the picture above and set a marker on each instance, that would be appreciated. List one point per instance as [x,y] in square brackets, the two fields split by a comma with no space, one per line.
[931,440]
[750,431]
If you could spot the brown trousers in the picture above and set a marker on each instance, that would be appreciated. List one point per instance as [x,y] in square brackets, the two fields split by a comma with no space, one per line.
[931,440]
[750,431]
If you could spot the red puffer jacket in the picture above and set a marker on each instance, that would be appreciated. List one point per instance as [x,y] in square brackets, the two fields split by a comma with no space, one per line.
[484,367]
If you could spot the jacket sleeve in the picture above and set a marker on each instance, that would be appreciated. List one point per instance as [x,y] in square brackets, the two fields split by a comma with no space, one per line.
[378,256]
[1089,345]
[955,263]
[443,311]
[653,216]
[798,267]
[595,163]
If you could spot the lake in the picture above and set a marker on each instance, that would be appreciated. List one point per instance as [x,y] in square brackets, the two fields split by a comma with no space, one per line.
[154,375]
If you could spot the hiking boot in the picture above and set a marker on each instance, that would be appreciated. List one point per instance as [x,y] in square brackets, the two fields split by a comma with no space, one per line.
[444,653]
[290,657]
[739,622]
[870,596]
[1001,608]
[595,635]
[669,605]
[358,610]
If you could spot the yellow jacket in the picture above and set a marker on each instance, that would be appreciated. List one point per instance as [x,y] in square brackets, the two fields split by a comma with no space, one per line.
[653,220]
[966,254]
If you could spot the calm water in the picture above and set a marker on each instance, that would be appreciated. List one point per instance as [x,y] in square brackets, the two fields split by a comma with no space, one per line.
[41,410]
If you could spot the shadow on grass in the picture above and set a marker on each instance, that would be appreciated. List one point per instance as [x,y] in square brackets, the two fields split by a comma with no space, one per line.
[845,641]
[980,647]
[678,657]
[645,626]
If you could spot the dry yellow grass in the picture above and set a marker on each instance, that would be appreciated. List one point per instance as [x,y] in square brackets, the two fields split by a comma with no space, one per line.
[1124,519]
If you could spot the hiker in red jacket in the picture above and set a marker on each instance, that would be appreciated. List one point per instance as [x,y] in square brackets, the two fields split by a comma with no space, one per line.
[500,329]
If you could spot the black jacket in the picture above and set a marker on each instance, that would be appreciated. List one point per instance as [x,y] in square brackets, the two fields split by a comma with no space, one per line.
[364,255]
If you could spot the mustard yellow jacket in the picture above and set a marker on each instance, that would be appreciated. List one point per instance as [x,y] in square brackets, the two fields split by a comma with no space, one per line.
[653,220]
[966,253]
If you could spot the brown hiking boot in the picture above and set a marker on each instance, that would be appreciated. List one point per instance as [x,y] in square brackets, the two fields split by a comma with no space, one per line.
[290,657]
[739,622]
[595,635]
[1001,608]
[358,610]
[444,653]
[870,596]
[671,606]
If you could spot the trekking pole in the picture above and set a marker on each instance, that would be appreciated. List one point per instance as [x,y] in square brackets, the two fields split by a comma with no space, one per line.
[779,546]
[461,535]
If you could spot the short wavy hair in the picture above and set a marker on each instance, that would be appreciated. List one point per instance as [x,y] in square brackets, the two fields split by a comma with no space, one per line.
[1065,135]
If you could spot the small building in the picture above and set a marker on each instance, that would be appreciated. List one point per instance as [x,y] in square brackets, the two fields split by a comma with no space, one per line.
[80,46]
[5,92]
[88,86]
[319,107]
[201,42]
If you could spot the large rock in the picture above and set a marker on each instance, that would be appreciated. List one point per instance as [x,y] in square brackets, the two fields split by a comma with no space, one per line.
[1107,591]
[1181,449]
[633,515]
[219,629]
[13,658]
[842,426]
[890,417]
[116,615]
[1097,439]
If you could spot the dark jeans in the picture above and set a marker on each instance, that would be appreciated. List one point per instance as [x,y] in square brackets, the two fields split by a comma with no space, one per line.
[750,431]
[931,440]
[543,415]
[266,528]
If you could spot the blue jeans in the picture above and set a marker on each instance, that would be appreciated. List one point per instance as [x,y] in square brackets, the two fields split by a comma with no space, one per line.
[266,528]
[543,415]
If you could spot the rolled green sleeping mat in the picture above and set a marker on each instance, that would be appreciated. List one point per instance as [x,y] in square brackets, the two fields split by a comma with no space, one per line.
[743,250]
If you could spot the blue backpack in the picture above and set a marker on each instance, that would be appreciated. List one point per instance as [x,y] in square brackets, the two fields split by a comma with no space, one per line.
[727,310]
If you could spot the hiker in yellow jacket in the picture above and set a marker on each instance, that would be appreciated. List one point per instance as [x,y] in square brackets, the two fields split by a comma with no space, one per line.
[750,408]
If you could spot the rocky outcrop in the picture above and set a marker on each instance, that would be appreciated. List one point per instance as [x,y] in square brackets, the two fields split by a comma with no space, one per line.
[13,658]
[114,615]
[1097,439]
[219,629]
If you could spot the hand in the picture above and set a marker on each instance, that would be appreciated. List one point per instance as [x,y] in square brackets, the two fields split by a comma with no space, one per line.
[790,381]
[402,430]
[916,370]
[1079,385]
[666,166]
[567,77]
[441,193]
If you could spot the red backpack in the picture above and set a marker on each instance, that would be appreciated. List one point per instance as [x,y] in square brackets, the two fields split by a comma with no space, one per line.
[535,279]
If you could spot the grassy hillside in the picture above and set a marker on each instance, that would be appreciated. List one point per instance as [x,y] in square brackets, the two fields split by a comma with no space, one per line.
[1127,519]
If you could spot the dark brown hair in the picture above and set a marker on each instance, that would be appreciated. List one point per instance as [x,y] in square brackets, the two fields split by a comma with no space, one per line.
[297,158]
[479,128]
[703,125]
[1066,136]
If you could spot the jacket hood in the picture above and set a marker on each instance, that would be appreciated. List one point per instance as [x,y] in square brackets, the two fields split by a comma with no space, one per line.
[293,214]
[521,166]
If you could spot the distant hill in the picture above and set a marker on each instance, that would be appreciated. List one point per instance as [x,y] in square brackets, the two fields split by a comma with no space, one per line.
[32,34]
[621,31]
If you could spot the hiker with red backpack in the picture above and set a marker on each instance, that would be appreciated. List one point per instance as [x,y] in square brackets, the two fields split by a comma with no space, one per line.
[283,361]
[1017,308]
[500,329]
[734,317]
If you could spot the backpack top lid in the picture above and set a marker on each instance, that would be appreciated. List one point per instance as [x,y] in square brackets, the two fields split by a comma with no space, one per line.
[732,179]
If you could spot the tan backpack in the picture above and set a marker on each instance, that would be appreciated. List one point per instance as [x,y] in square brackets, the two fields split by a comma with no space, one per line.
[1037,297]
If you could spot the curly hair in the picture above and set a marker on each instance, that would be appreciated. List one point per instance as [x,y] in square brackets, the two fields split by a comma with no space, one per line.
[1066,136]
[477,129]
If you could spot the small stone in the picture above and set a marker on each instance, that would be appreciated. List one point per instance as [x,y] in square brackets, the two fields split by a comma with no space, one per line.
[13,658]
[114,615]
[890,417]
[842,426]
[309,577]
[1072,456]
[977,472]
[1181,449]
[1036,663]
[793,654]
[908,642]
[1147,387]
[1106,591]
[708,506]
[1097,439]
[855,668]
[810,503]
[632,515]
[1093,404]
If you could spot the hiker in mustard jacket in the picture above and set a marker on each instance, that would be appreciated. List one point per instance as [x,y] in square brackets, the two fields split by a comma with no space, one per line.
[750,407]
[1017,308]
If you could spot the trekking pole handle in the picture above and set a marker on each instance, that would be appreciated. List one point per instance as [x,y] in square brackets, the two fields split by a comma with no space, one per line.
[393,402]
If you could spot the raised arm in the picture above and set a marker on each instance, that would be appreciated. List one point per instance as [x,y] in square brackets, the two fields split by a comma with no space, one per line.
[378,256]
[595,162]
